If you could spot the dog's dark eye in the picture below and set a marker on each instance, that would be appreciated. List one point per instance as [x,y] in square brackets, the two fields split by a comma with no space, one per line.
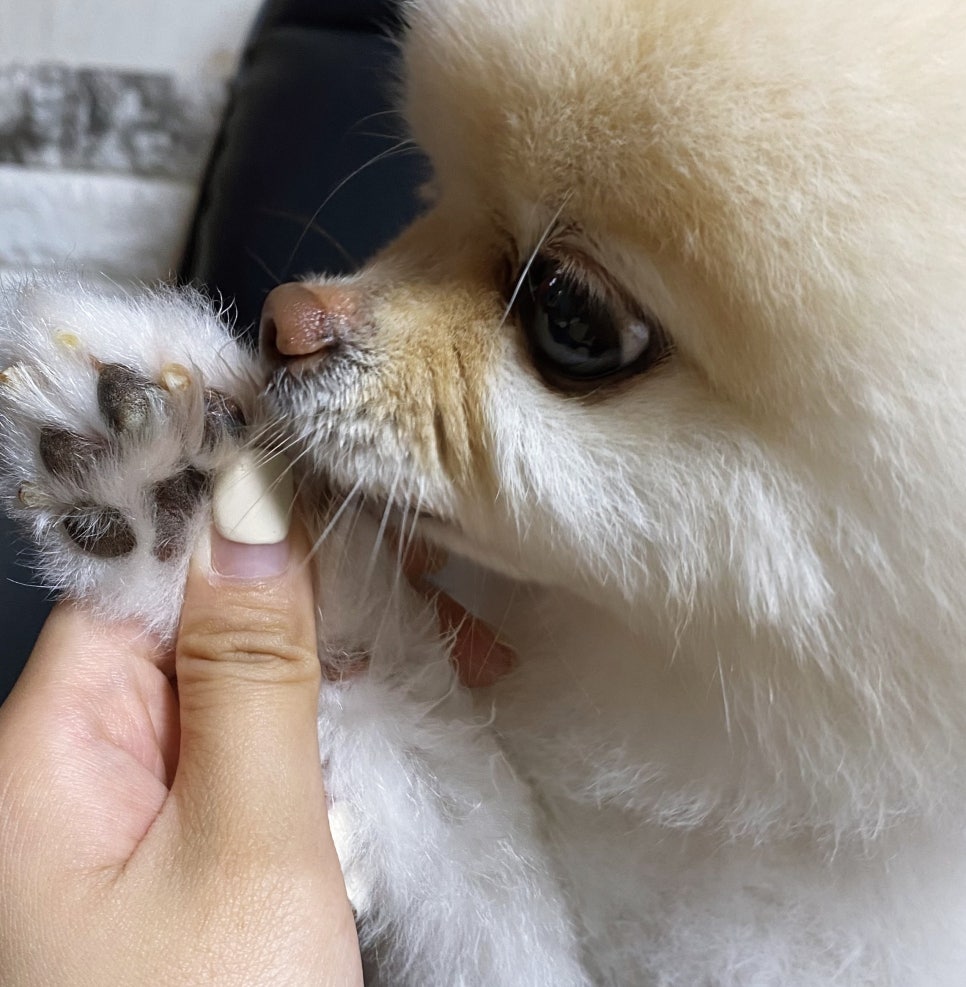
[573,334]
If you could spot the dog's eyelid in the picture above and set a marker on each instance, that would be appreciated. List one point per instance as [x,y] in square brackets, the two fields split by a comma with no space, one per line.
[567,244]
[591,276]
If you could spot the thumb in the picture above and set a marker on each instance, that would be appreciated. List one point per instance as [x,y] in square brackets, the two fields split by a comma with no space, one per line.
[248,672]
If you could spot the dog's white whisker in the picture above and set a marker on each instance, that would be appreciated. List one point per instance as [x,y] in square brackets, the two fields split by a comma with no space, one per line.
[401,145]
[541,240]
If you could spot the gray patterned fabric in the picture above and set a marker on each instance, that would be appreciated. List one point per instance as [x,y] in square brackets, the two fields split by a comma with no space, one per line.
[90,119]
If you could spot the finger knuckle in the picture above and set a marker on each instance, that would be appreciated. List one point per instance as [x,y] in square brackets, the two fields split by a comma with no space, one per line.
[263,645]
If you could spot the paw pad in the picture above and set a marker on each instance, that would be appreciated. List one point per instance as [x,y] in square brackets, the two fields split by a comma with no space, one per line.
[126,398]
[100,531]
[223,417]
[68,455]
[139,416]
[175,501]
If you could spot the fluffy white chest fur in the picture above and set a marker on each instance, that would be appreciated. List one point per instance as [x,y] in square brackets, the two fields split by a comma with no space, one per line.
[676,360]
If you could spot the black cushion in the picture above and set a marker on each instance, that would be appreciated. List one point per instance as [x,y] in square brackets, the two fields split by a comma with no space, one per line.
[309,173]
[23,606]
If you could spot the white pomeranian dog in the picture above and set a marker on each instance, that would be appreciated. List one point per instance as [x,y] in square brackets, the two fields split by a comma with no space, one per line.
[676,358]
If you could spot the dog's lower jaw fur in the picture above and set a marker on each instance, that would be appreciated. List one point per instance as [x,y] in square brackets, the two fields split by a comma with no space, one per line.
[785,831]
[749,863]
[795,812]
[793,775]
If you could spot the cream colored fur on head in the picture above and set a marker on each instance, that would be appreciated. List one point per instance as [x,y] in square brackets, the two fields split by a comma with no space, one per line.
[751,654]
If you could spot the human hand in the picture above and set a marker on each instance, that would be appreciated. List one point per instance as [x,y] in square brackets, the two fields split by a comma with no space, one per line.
[159,835]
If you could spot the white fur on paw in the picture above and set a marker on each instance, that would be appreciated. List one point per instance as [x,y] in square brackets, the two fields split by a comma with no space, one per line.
[115,413]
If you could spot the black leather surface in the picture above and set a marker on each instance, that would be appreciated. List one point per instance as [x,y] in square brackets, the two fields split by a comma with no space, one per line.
[309,174]
[360,15]
[304,177]
[23,607]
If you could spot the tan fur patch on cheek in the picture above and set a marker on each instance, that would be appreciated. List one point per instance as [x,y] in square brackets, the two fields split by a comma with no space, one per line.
[442,350]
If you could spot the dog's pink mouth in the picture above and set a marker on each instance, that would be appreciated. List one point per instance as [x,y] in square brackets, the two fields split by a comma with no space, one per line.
[481,658]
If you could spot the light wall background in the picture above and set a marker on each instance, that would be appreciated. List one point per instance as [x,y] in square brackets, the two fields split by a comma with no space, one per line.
[107,110]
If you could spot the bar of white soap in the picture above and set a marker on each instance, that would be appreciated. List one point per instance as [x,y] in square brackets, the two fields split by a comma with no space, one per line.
[253,497]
